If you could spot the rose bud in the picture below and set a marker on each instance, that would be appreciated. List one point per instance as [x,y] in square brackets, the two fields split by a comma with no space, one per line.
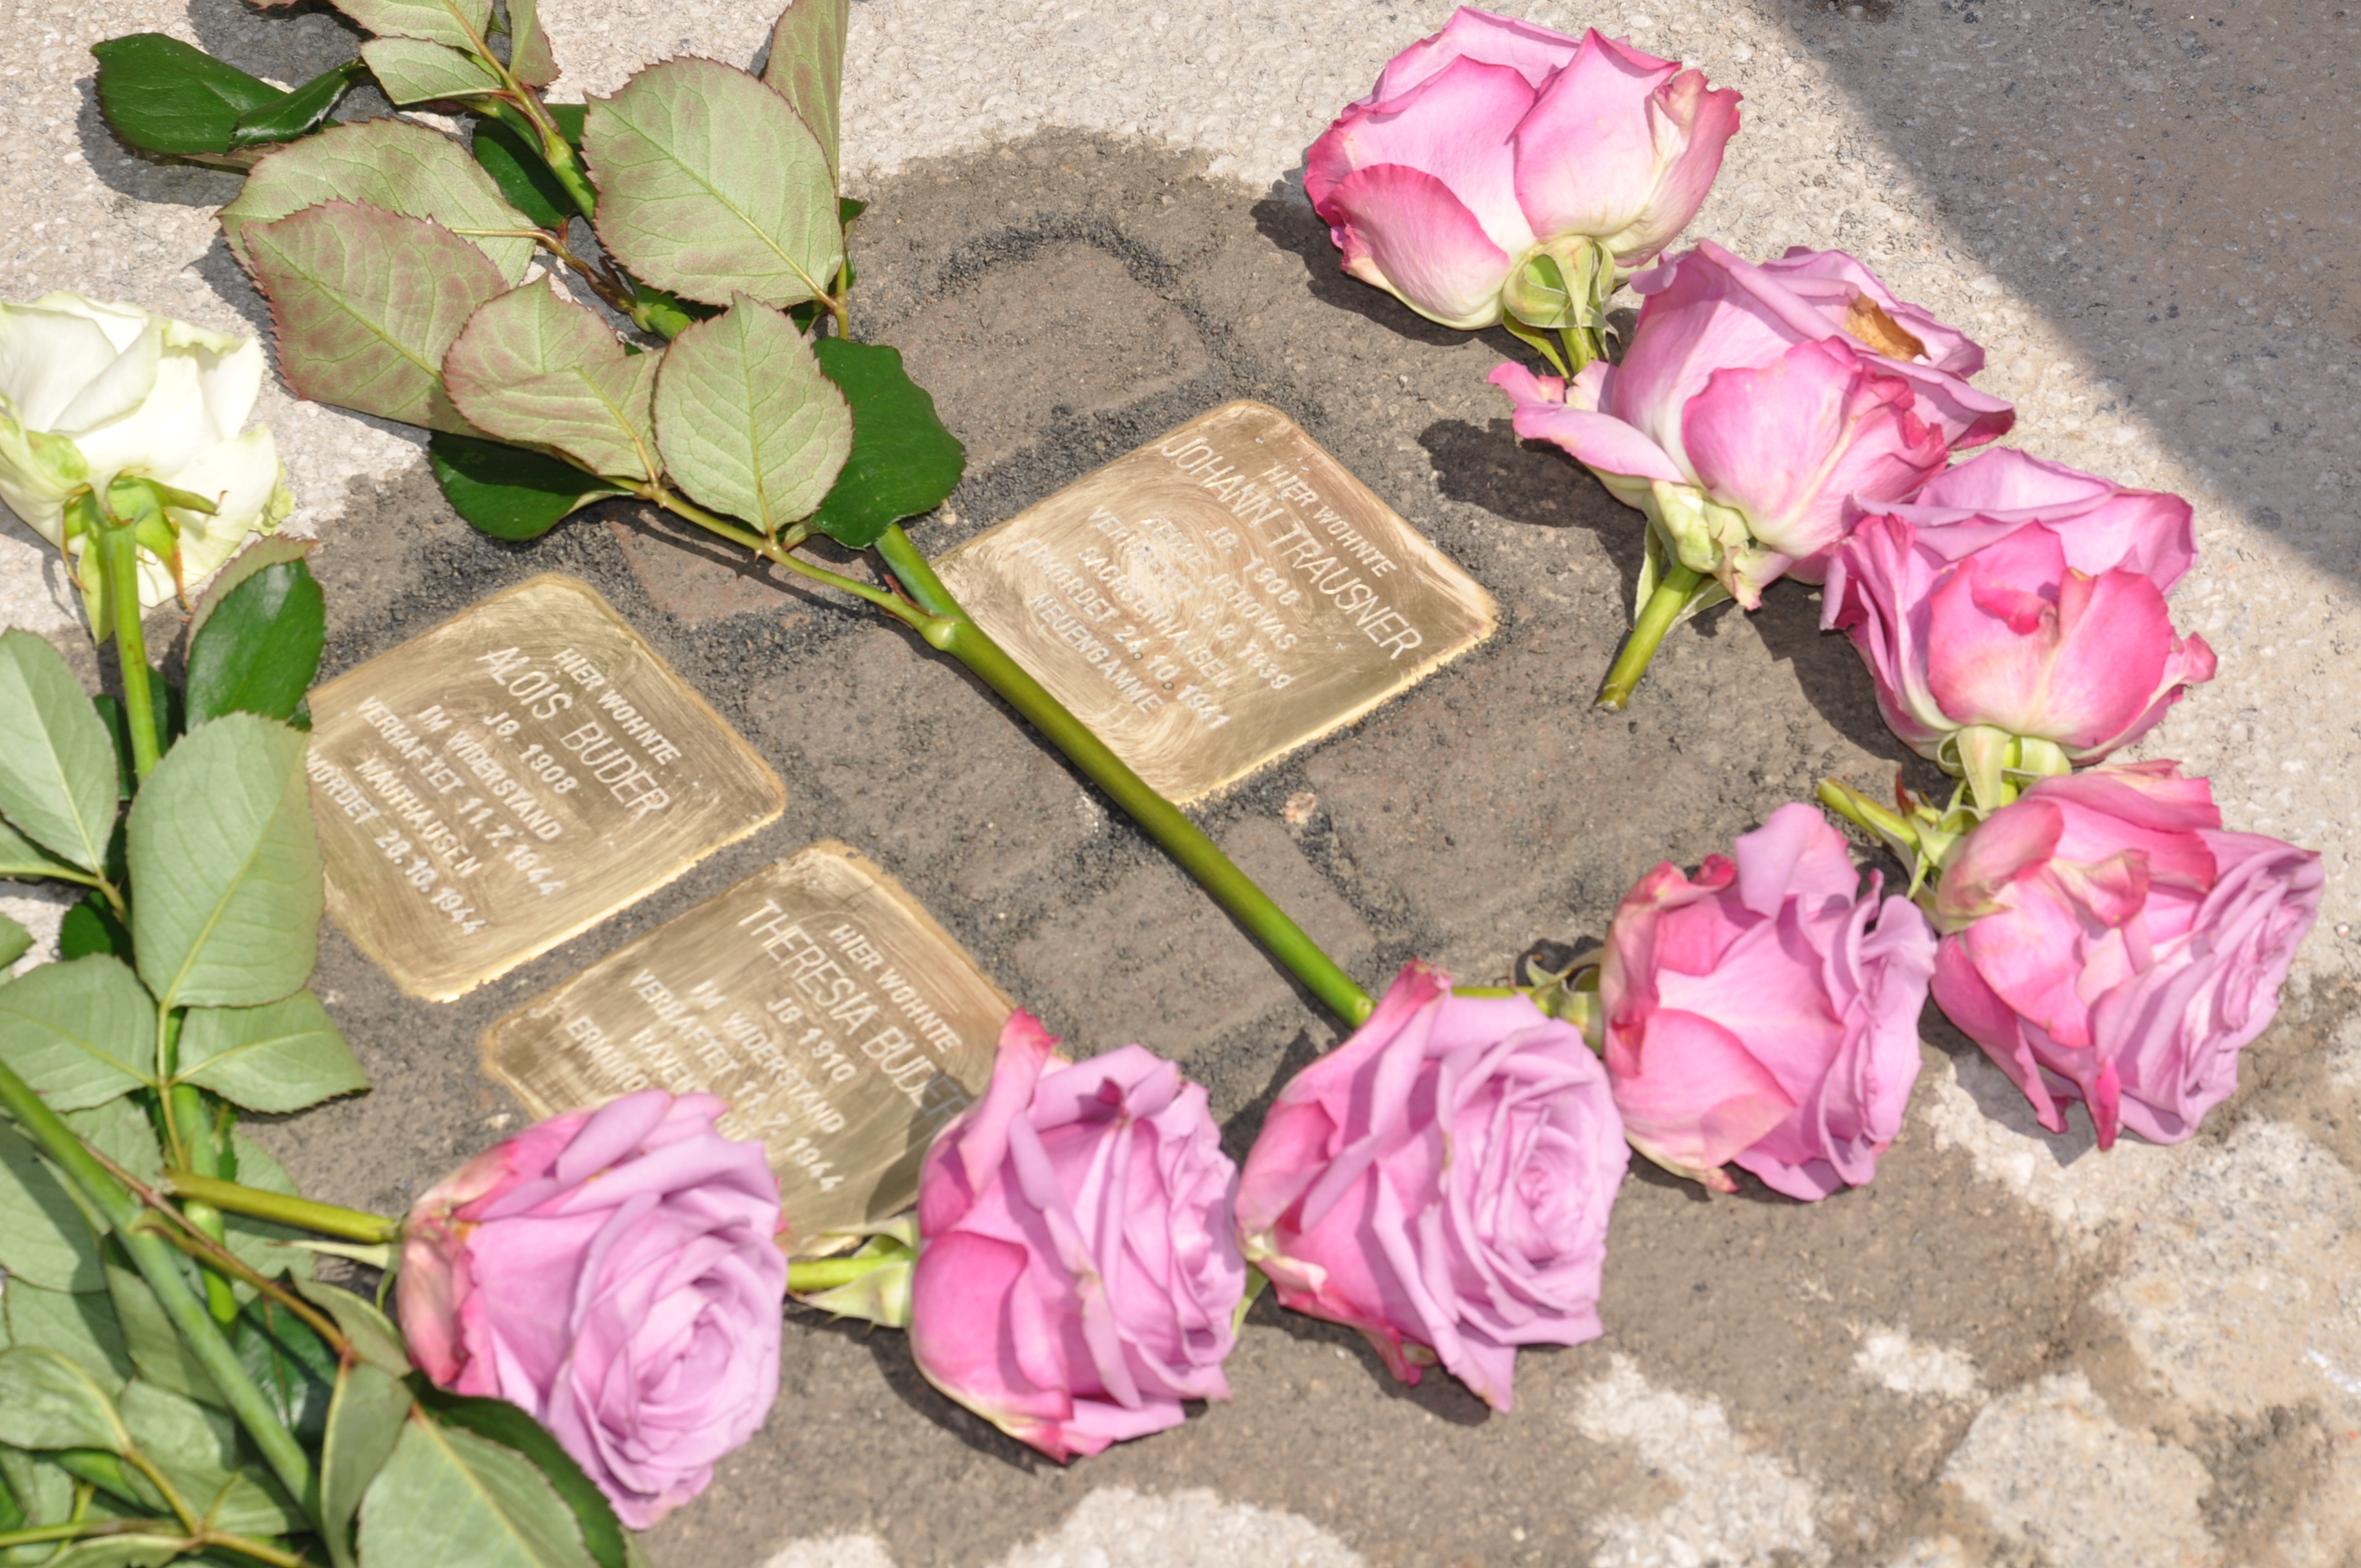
[615,1273]
[1754,404]
[1077,1278]
[2004,655]
[1766,1012]
[1501,166]
[90,392]
[1440,1181]
[2105,940]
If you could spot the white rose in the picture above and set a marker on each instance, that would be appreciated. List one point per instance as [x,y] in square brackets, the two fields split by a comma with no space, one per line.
[89,392]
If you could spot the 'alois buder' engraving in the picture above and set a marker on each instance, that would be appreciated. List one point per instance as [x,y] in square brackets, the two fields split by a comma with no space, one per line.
[1217,597]
[842,1025]
[506,780]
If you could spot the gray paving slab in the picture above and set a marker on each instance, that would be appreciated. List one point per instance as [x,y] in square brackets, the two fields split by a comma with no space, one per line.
[2010,1349]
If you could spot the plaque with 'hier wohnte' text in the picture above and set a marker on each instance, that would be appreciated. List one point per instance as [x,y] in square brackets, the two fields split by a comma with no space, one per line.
[1217,597]
[511,778]
[840,1022]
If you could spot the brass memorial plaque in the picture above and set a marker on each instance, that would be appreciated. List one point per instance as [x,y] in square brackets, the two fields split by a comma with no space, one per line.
[512,777]
[1217,597]
[842,1025]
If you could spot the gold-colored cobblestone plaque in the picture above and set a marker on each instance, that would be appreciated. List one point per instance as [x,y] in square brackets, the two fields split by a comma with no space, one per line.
[842,1025]
[511,778]
[1218,598]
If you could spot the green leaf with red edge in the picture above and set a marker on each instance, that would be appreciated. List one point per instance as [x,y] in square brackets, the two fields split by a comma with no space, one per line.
[460,23]
[806,67]
[508,492]
[389,164]
[903,463]
[368,302]
[747,422]
[709,185]
[536,369]
[530,60]
[412,71]
[160,94]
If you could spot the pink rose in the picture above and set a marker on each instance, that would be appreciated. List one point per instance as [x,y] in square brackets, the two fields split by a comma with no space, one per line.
[1977,632]
[1076,1276]
[2104,526]
[1495,142]
[616,1274]
[2105,941]
[1755,1014]
[1755,402]
[1440,1181]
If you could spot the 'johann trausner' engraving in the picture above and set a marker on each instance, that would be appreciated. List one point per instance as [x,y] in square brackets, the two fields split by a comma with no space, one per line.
[1217,597]
[842,1025]
[511,777]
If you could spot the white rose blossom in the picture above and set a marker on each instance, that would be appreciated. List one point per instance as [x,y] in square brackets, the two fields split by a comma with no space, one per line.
[92,393]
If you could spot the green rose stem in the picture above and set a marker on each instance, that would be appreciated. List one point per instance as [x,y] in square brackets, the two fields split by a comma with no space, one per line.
[935,615]
[160,1267]
[119,560]
[207,1246]
[300,1213]
[117,544]
[163,1529]
[1672,594]
[949,628]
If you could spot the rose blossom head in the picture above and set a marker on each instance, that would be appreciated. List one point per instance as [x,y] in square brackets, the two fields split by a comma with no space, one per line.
[1971,642]
[615,1273]
[1440,1181]
[1077,1275]
[1495,142]
[1756,401]
[2106,941]
[2104,526]
[1765,1012]
[90,392]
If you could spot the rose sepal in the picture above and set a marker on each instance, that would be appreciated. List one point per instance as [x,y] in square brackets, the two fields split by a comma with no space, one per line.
[871,1282]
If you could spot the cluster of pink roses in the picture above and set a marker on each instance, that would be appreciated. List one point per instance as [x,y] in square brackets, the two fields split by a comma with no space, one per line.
[1443,1181]
[2102,936]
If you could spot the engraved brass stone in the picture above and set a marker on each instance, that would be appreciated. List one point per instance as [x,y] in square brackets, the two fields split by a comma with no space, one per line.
[842,1025]
[512,777]
[1218,598]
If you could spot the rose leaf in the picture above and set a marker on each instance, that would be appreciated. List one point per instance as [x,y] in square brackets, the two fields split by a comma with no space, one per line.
[709,185]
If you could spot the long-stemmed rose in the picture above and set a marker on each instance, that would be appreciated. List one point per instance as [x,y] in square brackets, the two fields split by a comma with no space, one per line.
[1755,404]
[1440,1181]
[1766,1012]
[1076,1276]
[2105,940]
[617,1274]
[1499,171]
[2018,645]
